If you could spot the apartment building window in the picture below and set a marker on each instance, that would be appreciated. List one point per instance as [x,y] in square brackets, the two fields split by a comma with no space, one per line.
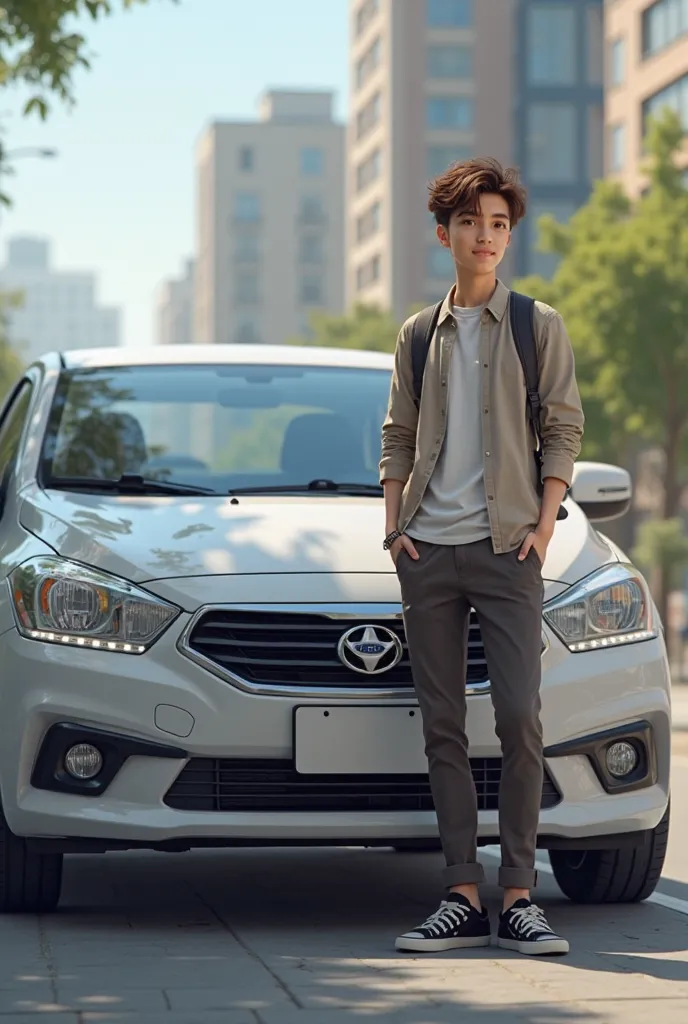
[368,273]
[675,96]
[617,61]
[545,263]
[552,145]
[444,61]
[246,288]
[311,290]
[439,263]
[595,44]
[368,170]
[247,331]
[365,14]
[247,206]
[312,210]
[311,249]
[246,247]
[663,22]
[552,44]
[450,112]
[312,161]
[368,224]
[368,63]
[450,13]
[368,116]
[246,158]
[595,142]
[439,158]
[617,147]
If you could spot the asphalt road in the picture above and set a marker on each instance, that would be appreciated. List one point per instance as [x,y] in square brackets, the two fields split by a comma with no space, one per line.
[294,936]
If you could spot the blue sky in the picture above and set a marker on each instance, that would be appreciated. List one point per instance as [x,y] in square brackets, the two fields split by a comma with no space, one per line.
[119,199]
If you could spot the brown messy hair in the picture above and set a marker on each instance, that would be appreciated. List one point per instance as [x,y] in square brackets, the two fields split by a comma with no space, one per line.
[461,186]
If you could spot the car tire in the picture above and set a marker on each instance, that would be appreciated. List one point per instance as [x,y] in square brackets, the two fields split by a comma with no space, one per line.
[30,882]
[418,846]
[626,875]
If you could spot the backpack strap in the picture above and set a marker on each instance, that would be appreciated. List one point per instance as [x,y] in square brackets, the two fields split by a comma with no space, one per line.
[422,334]
[521,317]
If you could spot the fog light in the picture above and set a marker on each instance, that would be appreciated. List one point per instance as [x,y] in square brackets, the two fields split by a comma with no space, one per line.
[83,761]
[622,759]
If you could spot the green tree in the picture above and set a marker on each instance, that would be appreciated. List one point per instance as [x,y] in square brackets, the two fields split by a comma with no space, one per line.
[622,288]
[662,551]
[40,49]
[11,364]
[365,327]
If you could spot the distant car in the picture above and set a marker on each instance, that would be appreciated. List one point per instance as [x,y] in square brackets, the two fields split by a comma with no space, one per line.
[201,637]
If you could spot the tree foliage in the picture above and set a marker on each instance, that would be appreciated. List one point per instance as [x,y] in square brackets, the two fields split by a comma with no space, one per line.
[40,48]
[365,327]
[11,364]
[622,288]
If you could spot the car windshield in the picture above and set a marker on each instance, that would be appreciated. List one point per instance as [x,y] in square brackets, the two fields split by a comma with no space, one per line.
[216,428]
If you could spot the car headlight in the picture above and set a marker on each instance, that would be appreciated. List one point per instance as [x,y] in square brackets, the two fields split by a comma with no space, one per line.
[61,602]
[610,607]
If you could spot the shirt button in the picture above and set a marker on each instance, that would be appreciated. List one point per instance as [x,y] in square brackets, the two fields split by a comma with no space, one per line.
[485,410]
[485,366]
[488,454]
[490,497]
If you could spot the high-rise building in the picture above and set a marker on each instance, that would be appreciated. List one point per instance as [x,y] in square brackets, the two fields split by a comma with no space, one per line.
[436,81]
[646,69]
[58,310]
[175,320]
[270,221]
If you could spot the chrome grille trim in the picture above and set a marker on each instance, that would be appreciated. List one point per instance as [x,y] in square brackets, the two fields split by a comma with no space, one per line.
[345,613]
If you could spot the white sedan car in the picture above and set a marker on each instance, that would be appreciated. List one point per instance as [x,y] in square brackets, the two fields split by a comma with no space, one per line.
[202,644]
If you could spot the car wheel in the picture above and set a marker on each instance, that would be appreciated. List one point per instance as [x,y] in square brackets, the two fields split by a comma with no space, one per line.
[418,846]
[30,882]
[612,876]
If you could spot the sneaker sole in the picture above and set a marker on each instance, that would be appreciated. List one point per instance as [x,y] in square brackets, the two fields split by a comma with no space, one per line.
[440,945]
[547,947]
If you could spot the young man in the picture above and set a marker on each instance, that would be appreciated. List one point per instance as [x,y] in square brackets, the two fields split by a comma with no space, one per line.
[468,526]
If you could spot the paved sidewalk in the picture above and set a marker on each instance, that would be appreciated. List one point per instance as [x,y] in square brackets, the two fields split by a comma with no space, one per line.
[306,937]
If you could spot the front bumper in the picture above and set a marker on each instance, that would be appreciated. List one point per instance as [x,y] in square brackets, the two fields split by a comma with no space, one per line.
[44,685]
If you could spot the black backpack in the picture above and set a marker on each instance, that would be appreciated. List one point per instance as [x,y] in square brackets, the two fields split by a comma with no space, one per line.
[521,312]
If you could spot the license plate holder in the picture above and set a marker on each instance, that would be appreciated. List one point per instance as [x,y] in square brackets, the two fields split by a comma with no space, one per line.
[358,740]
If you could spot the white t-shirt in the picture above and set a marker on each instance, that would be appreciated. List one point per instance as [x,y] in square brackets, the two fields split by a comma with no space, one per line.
[454,506]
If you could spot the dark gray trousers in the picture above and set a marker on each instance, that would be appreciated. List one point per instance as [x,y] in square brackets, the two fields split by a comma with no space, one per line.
[438,592]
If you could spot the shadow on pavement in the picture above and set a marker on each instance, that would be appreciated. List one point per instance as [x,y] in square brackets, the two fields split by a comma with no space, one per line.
[274,935]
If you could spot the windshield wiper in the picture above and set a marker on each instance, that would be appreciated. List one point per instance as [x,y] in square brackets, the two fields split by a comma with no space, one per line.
[128,483]
[314,487]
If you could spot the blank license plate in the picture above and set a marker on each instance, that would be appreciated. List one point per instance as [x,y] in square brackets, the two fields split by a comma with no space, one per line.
[359,741]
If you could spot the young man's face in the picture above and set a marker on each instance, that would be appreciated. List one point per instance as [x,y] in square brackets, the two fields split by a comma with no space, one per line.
[478,240]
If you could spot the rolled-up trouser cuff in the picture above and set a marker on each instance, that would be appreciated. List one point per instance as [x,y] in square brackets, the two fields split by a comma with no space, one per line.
[463,874]
[517,878]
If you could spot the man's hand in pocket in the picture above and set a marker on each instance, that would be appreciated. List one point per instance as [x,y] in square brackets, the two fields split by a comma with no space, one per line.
[402,544]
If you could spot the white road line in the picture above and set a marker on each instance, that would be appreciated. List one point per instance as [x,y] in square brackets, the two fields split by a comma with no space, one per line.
[670,902]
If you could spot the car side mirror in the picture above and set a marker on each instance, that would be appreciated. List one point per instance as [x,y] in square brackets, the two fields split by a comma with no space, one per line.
[603,491]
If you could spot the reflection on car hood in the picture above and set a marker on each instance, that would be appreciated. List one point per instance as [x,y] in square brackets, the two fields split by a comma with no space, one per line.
[155,538]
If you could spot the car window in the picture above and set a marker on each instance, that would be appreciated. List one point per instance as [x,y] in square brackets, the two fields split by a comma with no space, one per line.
[11,431]
[218,426]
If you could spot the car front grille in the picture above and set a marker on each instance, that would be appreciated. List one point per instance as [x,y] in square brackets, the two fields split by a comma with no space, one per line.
[245,784]
[287,648]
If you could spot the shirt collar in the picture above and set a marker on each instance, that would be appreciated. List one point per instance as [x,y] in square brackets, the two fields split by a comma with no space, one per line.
[497,304]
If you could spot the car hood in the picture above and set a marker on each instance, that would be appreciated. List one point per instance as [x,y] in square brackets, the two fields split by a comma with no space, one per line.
[147,539]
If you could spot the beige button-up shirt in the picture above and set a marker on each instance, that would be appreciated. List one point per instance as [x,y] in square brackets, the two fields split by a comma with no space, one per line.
[412,439]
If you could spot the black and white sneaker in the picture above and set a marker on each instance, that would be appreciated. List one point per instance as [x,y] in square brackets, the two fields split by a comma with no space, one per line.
[524,927]
[456,925]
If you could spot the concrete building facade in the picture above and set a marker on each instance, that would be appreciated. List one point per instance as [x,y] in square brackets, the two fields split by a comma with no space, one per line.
[58,309]
[436,81]
[175,309]
[270,221]
[646,60]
